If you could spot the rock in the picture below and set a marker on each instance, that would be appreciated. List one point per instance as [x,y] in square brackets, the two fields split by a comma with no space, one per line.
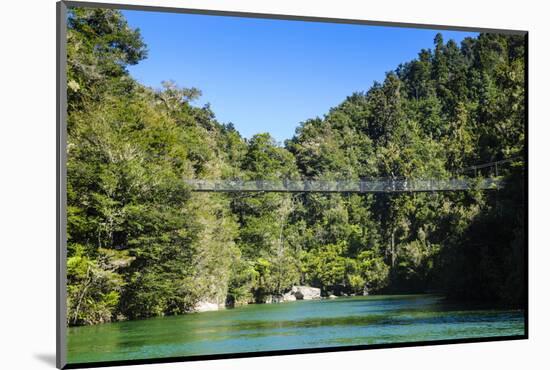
[332,296]
[230,302]
[277,298]
[204,306]
[305,292]
[289,296]
[297,292]
[273,298]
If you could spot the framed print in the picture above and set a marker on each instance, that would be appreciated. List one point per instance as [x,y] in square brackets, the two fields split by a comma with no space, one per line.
[236,185]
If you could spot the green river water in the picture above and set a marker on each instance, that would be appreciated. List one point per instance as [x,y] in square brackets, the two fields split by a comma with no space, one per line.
[292,325]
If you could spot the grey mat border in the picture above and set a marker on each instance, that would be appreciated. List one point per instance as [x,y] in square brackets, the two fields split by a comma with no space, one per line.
[287,17]
[61,186]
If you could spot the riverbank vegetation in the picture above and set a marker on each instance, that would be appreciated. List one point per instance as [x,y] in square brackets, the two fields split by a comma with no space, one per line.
[141,244]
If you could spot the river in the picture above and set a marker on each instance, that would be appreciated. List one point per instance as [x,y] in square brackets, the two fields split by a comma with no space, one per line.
[292,325]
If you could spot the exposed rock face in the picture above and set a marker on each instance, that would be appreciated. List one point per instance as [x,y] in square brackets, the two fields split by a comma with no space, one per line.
[274,298]
[304,292]
[289,296]
[204,306]
[277,298]
[296,293]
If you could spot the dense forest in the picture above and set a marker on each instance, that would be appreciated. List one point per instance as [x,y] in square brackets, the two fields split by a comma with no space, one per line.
[141,244]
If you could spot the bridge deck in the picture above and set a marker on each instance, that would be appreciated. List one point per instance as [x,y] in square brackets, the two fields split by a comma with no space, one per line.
[343,186]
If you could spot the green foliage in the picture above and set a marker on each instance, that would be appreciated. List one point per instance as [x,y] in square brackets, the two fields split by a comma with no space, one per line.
[94,284]
[243,282]
[326,265]
[100,45]
[141,244]
[373,271]
[128,151]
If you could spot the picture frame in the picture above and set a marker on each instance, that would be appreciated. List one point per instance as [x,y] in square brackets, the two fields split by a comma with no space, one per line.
[62,202]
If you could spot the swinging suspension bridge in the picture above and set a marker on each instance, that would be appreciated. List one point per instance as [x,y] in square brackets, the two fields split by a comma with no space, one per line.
[490,180]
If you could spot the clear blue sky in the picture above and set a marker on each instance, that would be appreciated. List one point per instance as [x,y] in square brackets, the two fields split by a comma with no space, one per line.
[270,75]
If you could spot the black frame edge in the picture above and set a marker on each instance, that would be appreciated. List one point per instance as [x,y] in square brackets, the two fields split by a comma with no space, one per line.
[526,183]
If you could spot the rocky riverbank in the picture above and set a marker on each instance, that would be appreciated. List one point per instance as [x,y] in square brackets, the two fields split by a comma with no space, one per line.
[296,293]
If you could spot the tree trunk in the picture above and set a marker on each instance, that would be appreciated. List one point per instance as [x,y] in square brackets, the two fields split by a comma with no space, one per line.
[392,247]
[82,294]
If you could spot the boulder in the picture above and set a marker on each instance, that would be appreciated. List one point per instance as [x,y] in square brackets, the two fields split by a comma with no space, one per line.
[289,296]
[273,298]
[276,298]
[296,293]
[204,306]
[305,292]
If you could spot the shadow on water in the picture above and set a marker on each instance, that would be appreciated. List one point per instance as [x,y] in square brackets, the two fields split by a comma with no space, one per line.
[397,318]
